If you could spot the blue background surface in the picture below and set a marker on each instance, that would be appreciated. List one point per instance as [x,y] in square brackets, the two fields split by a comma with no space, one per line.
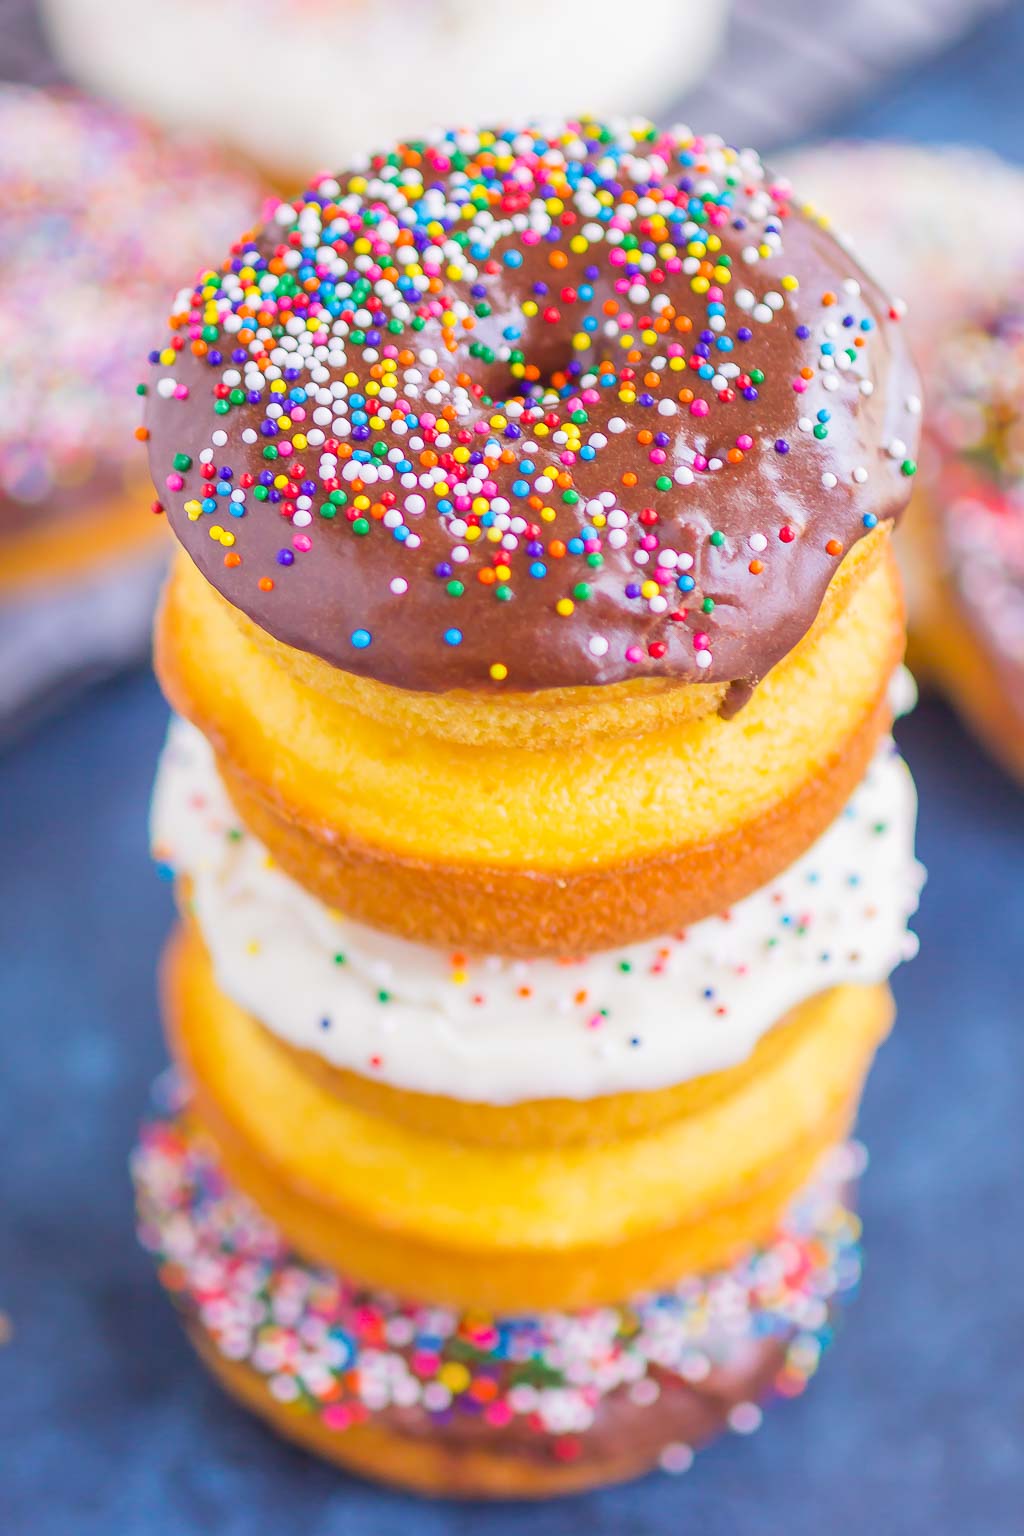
[109,1424]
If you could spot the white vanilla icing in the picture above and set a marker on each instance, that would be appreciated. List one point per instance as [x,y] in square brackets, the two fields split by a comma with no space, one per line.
[498,1030]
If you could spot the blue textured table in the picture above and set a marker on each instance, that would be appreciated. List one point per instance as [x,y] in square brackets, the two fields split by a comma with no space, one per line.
[111,1428]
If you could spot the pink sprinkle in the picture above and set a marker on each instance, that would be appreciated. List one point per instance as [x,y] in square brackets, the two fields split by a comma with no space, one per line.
[700,641]
[699,408]
[302,542]
[634,653]
[174,482]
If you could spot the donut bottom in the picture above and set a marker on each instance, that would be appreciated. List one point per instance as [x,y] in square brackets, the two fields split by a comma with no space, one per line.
[687,1417]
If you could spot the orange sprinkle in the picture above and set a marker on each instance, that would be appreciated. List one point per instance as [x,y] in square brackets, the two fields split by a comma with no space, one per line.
[265,584]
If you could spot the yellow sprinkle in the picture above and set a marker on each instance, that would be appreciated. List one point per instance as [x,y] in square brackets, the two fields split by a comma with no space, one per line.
[499,671]
[564,606]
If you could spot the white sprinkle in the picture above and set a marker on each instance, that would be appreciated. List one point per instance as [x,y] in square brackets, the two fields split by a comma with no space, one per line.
[745,1418]
[676,1459]
[597,645]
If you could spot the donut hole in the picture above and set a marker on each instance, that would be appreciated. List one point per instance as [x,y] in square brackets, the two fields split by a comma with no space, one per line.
[532,321]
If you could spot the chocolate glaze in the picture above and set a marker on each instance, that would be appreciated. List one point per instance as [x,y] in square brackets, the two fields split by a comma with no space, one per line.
[775,488]
[624,1431]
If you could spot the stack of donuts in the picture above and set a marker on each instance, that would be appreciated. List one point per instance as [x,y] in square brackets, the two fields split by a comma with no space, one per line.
[540,847]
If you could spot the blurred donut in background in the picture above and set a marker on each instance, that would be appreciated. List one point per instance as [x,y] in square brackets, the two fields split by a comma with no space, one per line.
[971,620]
[944,228]
[98,216]
[344,76]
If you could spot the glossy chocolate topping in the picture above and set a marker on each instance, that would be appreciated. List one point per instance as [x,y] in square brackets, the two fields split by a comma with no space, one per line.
[526,410]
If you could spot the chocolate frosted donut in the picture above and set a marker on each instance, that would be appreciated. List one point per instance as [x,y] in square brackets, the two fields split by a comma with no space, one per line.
[477,1404]
[535,409]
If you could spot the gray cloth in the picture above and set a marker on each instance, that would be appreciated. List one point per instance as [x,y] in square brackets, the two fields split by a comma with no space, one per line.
[788,66]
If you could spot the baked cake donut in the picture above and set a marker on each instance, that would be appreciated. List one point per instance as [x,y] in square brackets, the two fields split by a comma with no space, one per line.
[399,62]
[462,578]
[541,851]
[96,214]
